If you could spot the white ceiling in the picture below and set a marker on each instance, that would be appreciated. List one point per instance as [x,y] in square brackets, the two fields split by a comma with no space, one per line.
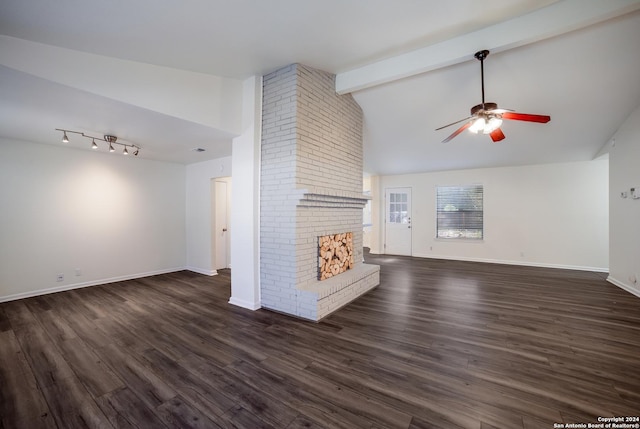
[587,80]
[32,108]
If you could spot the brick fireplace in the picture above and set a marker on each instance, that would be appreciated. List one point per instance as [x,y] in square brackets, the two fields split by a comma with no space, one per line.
[311,187]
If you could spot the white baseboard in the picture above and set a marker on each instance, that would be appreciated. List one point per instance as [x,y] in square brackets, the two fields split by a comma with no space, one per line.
[202,271]
[624,286]
[23,295]
[85,284]
[508,262]
[244,304]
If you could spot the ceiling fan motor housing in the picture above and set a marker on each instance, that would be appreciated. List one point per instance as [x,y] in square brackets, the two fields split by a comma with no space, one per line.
[482,108]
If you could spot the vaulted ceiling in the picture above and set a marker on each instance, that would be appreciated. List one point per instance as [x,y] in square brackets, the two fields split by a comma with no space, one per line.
[584,74]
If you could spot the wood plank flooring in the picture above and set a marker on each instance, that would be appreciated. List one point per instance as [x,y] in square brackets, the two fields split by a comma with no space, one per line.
[439,344]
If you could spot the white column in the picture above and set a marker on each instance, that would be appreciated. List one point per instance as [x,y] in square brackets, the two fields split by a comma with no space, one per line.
[245,200]
[377,216]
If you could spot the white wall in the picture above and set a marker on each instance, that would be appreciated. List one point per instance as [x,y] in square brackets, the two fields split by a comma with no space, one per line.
[62,209]
[245,200]
[556,215]
[624,159]
[198,211]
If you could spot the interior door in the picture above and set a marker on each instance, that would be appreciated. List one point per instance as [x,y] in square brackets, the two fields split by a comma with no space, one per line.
[220,226]
[398,221]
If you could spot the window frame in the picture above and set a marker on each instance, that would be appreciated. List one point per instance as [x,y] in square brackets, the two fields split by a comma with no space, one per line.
[478,190]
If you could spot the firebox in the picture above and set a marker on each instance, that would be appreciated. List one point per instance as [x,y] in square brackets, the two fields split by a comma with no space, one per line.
[335,254]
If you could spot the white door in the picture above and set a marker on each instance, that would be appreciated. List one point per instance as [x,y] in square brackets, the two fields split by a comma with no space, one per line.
[220,233]
[398,221]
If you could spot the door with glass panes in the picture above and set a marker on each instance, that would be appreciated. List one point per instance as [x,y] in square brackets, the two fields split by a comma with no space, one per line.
[398,221]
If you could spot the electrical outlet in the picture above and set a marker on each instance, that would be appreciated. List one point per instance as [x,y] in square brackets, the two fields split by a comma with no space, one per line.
[60,277]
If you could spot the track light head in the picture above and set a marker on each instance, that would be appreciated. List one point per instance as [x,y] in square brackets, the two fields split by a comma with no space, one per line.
[125,151]
[93,144]
[136,152]
[65,139]
[111,149]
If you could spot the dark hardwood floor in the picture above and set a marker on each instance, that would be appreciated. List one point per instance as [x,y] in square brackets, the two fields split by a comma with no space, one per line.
[439,344]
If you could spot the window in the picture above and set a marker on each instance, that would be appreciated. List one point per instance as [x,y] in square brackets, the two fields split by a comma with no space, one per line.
[398,208]
[459,212]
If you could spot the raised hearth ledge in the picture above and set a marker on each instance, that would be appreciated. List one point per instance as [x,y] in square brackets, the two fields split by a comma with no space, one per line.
[325,297]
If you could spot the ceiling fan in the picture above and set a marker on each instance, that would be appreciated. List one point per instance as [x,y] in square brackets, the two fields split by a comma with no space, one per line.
[487,117]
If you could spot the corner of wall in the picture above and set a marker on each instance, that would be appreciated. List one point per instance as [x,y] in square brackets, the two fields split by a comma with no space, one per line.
[622,285]
[624,211]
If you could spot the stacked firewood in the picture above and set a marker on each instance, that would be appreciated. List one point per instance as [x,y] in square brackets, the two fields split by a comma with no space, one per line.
[335,254]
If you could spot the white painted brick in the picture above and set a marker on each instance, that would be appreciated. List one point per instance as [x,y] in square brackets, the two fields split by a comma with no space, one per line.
[311,139]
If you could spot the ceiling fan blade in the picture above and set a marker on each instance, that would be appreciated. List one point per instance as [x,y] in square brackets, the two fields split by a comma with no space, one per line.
[458,131]
[453,123]
[514,116]
[497,135]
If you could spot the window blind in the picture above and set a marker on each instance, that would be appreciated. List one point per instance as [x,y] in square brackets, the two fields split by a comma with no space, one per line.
[460,211]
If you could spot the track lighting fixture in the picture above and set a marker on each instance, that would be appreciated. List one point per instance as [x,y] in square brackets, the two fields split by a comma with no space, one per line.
[107,137]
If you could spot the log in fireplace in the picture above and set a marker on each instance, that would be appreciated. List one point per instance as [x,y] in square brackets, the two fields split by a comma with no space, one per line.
[335,254]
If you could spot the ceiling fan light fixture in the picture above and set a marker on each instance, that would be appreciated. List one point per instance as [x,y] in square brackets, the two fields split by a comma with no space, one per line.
[484,125]
[492,125]
[478,125]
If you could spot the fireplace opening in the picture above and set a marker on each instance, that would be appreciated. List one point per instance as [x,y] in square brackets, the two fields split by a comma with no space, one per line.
[335,254]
